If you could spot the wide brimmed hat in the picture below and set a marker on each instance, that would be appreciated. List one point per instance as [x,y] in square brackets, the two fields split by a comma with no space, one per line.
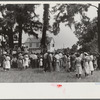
[4,53]
[86,53]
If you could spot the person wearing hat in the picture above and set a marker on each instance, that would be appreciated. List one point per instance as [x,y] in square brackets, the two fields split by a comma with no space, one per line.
[49,61]
[14,61]
[78,66]
[91,64]
[20,61]
[41,61]
[45,61]
[26,61]
[34,58]
[57,61]
[86,64]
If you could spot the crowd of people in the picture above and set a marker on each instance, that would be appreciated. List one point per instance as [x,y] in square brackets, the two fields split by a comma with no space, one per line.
[49,61]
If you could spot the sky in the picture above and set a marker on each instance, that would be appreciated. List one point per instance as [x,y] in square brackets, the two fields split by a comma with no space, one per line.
[66,37]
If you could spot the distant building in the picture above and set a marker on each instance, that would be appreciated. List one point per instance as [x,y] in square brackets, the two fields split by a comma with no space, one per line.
[33,44]
[50,44]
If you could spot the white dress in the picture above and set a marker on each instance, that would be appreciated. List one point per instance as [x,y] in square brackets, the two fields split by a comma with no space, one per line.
[86,65]
[78,65]
[91,63]
[41,62]
[26,61]
[7,63]
[57,67]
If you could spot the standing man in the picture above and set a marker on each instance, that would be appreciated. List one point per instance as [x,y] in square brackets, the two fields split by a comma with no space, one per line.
[49,61]
[32,56]
[45,65]
[61,62]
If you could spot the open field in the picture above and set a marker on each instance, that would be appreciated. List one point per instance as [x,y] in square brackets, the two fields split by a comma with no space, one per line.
[38,75]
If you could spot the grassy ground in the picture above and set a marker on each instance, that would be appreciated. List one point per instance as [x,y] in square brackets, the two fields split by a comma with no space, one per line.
[37,75]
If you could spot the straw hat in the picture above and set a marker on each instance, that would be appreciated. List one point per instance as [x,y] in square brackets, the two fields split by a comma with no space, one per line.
[86,53]
[4,53]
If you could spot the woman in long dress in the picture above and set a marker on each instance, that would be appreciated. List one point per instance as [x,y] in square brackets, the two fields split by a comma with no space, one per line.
[91,64]
[78,66]
[86,64]
[57,67]
[65,63]
[26,61]
[68,62]
[6,63]
[20,61]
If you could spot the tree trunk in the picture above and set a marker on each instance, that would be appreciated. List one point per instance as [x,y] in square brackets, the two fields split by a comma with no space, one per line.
[45,26]
[20,36]
[99,35]
[11,43]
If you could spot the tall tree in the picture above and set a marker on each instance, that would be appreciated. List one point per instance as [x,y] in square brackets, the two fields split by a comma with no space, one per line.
[7,25]
[72,9]
[99,27]
[23,17]
[45,25]
[86,32]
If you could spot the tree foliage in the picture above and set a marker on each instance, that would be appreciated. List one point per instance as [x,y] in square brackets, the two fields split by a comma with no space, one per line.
[86,32]
[20,17]
[65,13]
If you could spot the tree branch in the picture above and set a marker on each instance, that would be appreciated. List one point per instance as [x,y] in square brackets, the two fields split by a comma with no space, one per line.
[94,6]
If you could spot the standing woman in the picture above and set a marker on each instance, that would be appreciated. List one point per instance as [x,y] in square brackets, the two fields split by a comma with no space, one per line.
[86,64]
[26,61]
[41,61]
[4,61]
[20,61]
[7,64]
[68,61]
[64,63]
[91,64]
[78,66]
[57,67]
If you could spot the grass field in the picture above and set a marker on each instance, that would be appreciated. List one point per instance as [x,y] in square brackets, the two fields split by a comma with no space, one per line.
[38,75]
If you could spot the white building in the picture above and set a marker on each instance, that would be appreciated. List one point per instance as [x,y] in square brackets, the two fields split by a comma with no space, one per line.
[33,44]
[51,44]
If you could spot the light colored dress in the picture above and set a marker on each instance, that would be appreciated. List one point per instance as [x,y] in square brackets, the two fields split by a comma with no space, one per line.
[78,65]
[41,62]
[86,64]
[69,65]
[91,63]
[26,61]
[57,67]
[7,63]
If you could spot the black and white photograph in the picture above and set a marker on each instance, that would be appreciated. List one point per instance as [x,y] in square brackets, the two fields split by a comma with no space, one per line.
[49,42]
[49,49]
